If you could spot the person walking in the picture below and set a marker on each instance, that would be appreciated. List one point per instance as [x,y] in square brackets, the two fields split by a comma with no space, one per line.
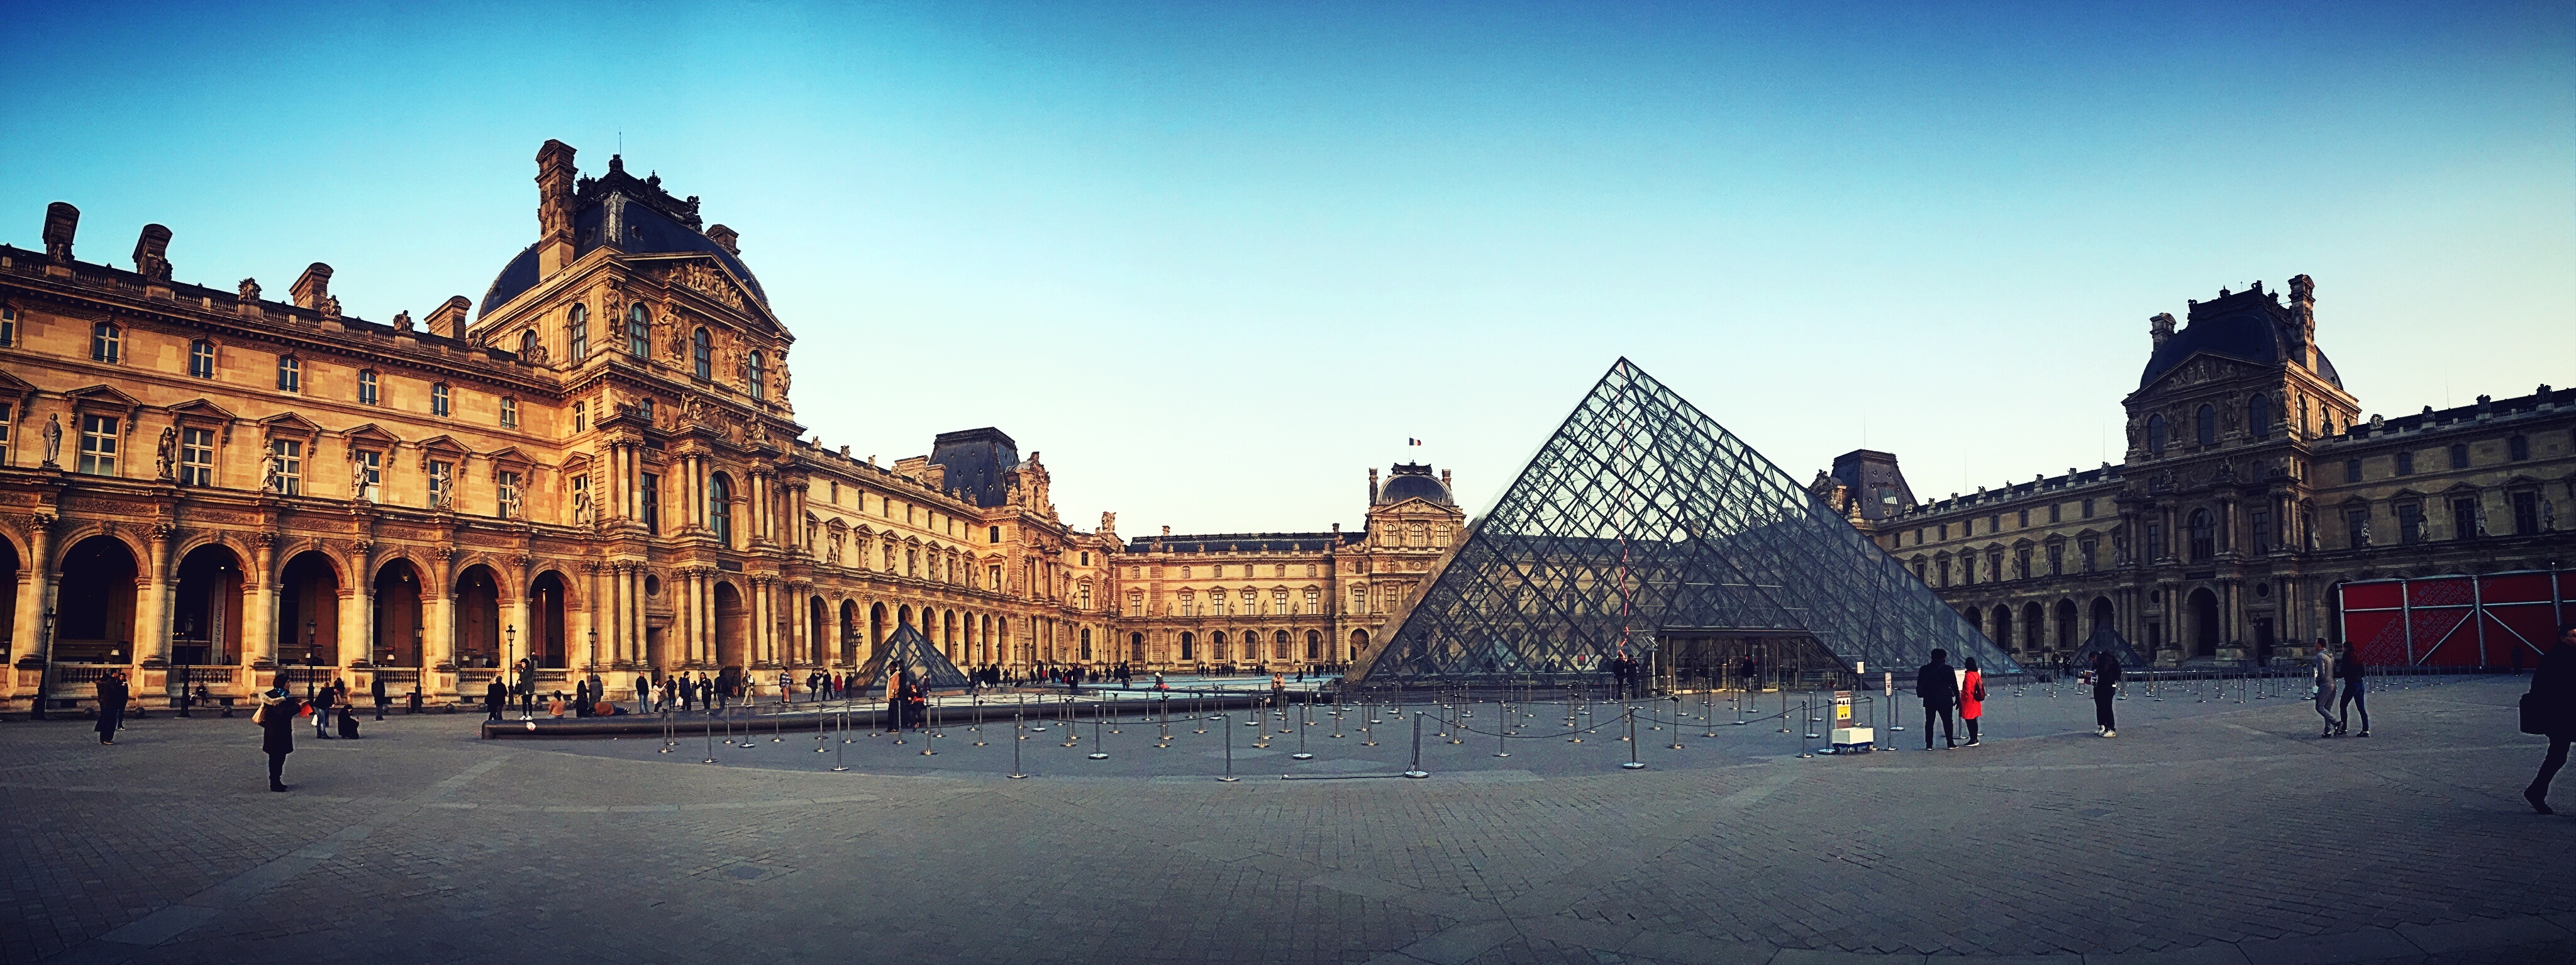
[2550,708]
[1939,690]
[276,720]
[2325,687]
[376,689]
[2106,688]
[322,711]
[2353,672]
[494,696]
[1972,699]
[112,695]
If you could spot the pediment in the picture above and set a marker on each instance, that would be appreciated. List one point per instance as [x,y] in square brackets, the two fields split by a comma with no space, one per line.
[446,445]
[708,278]
[2202,367]
[12,385]
[102,395]
[1414,501]
[289,423]
[509,455]
[371,434]
[202,409]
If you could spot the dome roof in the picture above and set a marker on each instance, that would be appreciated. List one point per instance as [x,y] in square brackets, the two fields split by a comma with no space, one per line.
[2249,326]
[647,219]
[1414,481]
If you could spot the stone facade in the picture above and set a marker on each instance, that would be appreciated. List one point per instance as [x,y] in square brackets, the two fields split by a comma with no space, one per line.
[597,468]
[2251,487]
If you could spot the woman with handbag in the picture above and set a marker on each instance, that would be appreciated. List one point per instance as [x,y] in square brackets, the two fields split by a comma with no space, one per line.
[1972,698]
[2550,708]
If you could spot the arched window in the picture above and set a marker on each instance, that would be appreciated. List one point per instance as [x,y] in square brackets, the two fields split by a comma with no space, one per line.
[702,354]
[2258,417]
[528,344]
[106,343]
[290,374]
[2205,426]
[438,399]
[201,359]
[2204,535]
[366,386]
[720,508]
[638,333]
[1279,645]
[2155,435]
[577,331]
[752,376]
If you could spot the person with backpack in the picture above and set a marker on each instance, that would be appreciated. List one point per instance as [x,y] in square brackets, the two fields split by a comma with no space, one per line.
[1972,699]
[1939,689]
[2352,671]
[2550,708]
[2106,688]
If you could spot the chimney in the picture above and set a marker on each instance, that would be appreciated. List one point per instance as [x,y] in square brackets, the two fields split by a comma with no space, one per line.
[312,288]
[554,207]
[1372,485]
[152,253]
[725,237]
[61,222]
[448,319]
[2160,328]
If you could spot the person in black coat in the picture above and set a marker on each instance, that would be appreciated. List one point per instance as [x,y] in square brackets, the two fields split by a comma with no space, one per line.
[2106,688]
[111,705]
[2553,700]
[1938,684]
[276,720]
[376,689]
[493,697]
[322,711]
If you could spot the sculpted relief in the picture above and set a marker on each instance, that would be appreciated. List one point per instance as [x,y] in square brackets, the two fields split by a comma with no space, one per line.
[700,277]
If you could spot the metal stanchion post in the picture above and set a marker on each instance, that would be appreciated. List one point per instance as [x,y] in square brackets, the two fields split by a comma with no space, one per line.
[1416,770]
[1633,763]
[1677,722]
[1229,777]
[711,744]
[1099,751]
[1018,727]
[1301,754]
[837,765]
[818,732]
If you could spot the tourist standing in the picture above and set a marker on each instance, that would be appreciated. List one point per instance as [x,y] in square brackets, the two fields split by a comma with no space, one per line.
[2325,687]
[2106,688]
[276,720]
[1972,699]
[643,693]
[2550,708]
[111,705]
[1939,690]
[376,689]
[494,695]
[2352,672]
[322,711]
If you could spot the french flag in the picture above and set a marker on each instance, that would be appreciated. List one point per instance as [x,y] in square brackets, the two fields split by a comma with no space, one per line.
[1412,442]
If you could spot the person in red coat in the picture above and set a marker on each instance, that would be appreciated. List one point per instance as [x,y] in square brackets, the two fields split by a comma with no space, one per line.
[1972,698]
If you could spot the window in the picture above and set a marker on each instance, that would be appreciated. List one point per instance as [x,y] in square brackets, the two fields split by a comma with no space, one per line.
[286,457]
[2053,511]
[2258,418]
[2464,518]
[753,377]
[2459,457]
[2056,559]
[2518,448]
[1945,531]
[438,399]
[1945,572]
[290,374]
[1083,593]
[646,407]
[577,332]
[2155,548]
[2352,470]
[2088,509]
[638,332]
[1136,603]
[2356,527]
[98,445]
[196,457]
[581,418]
[2025,519]
[1994,524]
[1086,557]
[505,494]
[442,482]
[2021,564]
[1359,599]
[2526,513]
[106,343]
[2406,464]
[371,473]
[509,413]
[1919,571]
[1314,602]
[8,325]
[650,494]
[201,359]
[720,510]
[2205,426]
[2155,435]
[2410,522]
[702,354]
[1279,602]
[993,534]
[2260,521]
[2084,550]
[527,344]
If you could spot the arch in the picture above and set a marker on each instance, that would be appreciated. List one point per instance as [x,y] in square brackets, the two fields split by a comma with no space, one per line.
[2104,614]
[850,637]
[903,616]
[2033,634]
[876,629]
[9,571]
[1279,645]
[308,610]
[733,627]
[720,507]
[1136,648]
[543,638]
[1314,645]
[478,617]
[702,357]
[2203,530]
[2203,607]
[94,602]
[528,344]
[2002,617]
[577,333]
[2204,425]
[1975,618]
[1189,647]
[818,647]
[992,653]
[398,619]
[1216,646]
[2065,625]
[948,633]
[1359,644]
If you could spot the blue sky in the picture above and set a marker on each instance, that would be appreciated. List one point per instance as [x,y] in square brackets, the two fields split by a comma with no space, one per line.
[1216,260]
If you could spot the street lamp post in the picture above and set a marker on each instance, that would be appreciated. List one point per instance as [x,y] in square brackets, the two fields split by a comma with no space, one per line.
[312,658]
[527,684]
[45,674]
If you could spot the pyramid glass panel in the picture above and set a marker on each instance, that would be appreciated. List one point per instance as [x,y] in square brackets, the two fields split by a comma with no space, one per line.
[1642,523]
[907,649]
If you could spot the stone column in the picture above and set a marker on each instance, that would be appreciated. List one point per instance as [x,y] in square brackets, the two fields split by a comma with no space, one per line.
[260,624]
[152,605]
[796,518]
[613,607]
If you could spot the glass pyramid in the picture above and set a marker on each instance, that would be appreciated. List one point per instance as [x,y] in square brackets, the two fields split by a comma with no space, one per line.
[908,650]
[1642,521]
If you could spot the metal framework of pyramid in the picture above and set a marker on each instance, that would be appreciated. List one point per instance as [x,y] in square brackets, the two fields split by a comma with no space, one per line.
[908,650]
[2106,640]
[1642,516]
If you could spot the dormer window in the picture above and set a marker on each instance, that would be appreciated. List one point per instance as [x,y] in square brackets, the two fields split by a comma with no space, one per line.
[8,325]
[2258,418]
[528,344]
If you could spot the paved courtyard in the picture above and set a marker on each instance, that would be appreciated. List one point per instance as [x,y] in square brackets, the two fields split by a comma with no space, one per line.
[2213,829]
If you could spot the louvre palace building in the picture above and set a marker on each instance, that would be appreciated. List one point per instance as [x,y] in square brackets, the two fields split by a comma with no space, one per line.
[596,468]
[2252,488]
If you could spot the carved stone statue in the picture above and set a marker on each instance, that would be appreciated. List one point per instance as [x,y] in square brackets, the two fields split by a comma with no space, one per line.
[357,477]
[782,377]
[2119,547]
[2548,516]
[248,291]
[442,490]
[270,479]
[581,509]
[510,503]
[402,321]
[165,455]
[53,439]
[331,306]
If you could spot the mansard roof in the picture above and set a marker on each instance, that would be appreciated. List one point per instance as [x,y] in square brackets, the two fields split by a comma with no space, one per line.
[647,220]
[2249,326]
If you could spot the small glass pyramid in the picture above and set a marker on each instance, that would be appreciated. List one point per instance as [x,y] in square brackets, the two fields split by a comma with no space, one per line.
[908,650]
[1642,520]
